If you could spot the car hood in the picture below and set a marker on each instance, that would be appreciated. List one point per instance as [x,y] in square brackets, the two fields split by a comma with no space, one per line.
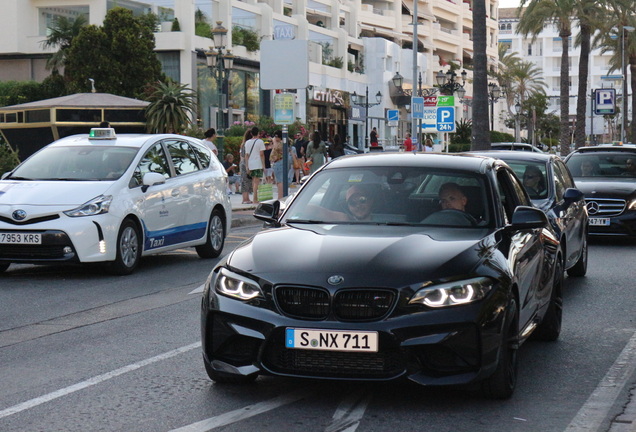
[363,254]
[50,192]
[606,186]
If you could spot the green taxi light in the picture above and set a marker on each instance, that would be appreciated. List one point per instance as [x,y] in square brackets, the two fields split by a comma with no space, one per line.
[102,133]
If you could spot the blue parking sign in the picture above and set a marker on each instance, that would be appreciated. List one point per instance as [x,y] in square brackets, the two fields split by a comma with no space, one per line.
[393,115]
[446,119]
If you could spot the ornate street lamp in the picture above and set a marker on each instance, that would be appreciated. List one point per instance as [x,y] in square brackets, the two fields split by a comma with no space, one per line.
[447,82]
[494,94]
[220,62]
[517,109]
[366,104]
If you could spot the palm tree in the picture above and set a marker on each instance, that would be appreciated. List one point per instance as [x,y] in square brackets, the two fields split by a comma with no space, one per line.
[611,39]
[480,139]
[172,107]
[534,18]
[61,35]
[588,14]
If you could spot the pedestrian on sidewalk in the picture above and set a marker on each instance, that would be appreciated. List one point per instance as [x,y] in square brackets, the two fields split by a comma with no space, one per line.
[255,154]
[246,180]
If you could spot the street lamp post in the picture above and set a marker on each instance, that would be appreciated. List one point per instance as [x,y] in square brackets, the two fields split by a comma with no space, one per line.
[494,94]
[220,62]
[366,104]
[624,29]
[448,84]
[517,108]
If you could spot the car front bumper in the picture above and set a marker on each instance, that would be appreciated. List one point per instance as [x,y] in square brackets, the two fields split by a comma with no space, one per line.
[442,347]
[621,225]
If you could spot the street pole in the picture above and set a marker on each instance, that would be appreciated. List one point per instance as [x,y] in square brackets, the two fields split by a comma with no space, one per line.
[414,135]
[366,118]
[624,29]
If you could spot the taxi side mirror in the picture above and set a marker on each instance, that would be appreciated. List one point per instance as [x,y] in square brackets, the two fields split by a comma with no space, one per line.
[151,179]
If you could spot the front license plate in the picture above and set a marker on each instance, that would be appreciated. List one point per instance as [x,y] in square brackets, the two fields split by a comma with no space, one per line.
[20,238]
[599,221]
[331,340]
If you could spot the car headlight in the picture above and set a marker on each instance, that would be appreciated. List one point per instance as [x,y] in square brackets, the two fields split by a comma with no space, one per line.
[96,206]
[632,205]
[452,293]
[232,285]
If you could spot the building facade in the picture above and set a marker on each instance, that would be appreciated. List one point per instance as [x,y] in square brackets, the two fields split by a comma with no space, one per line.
[354,46]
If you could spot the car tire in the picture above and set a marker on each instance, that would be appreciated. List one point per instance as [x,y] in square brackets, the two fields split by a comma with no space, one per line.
[580,268]
[4,267]
[226,378]
[215,237]
[550,327]
[128,249]
[501,384]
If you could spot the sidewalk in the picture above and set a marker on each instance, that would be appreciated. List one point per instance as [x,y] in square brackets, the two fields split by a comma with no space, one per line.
[242,213]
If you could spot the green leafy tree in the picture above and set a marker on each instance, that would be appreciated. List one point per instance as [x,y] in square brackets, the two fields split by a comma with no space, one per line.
[171,108]
[537,15]
[8,158]
[119,56]
[61,36]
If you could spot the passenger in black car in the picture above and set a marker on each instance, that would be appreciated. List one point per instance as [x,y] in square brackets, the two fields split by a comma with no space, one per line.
[630,168]
[534,182]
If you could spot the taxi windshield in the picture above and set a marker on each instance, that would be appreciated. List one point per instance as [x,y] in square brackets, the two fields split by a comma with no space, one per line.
[76,163]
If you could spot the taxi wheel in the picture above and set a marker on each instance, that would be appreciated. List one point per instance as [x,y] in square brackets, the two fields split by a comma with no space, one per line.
[215,240]
[4,267]
[128,249]
[502,383]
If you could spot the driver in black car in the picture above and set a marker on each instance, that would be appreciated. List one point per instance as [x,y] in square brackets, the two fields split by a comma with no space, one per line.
[451,197]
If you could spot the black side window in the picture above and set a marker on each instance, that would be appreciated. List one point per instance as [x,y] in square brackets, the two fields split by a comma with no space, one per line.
[153,161]
[511,193]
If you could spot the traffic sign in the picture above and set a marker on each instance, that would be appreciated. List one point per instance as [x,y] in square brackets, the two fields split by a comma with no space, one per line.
[417,107]
[393,115]
[284,104]
[446,119]
[605,101]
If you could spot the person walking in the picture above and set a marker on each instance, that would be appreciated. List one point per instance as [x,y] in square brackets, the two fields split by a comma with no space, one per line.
[300,146]
[210,136]
[255,154]
[316,152]
[276,160]
[246,180]
[408,143]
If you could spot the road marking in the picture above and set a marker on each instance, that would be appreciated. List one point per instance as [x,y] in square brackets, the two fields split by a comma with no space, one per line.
[244,413]
[95,380]
[592,414]
[349,413]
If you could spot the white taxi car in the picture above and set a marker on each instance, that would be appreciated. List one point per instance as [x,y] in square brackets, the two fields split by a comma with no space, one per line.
[108,198]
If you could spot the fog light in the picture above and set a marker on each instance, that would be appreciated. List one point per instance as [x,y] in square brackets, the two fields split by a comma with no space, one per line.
[67,250]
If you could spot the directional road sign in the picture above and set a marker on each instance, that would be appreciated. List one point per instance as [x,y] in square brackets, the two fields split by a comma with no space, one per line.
[393,115]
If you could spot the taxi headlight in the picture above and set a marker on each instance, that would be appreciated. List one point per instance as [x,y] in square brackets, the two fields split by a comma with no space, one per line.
[452,293]
[232,285]
[96,206]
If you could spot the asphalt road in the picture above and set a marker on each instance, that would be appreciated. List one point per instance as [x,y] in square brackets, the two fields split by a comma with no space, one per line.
[81,350]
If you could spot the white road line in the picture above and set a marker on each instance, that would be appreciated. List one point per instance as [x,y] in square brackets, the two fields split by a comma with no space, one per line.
[94,380]
[595,410]
[244,413]
[349,413]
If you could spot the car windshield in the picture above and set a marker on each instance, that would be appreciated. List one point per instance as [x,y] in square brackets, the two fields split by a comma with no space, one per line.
[603,164]
[76,163]
[393,196]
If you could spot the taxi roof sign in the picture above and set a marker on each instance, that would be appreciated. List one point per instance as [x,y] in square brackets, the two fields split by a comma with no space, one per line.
[102,134]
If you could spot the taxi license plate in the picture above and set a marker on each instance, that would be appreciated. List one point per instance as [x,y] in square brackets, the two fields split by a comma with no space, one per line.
[331,340]
[20,238]
[599,221]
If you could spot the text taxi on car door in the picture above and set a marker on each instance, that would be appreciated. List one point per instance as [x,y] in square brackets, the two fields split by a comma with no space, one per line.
[113,198]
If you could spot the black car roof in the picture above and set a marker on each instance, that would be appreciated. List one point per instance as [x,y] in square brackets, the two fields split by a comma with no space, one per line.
[462,161]
[516,155]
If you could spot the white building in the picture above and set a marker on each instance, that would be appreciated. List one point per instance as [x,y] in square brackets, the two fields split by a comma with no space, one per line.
[353,45]
[545,53]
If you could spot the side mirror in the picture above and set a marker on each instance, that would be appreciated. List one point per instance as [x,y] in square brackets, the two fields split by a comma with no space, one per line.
[268,212]
[527,218]
[572,194]
[151,179]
